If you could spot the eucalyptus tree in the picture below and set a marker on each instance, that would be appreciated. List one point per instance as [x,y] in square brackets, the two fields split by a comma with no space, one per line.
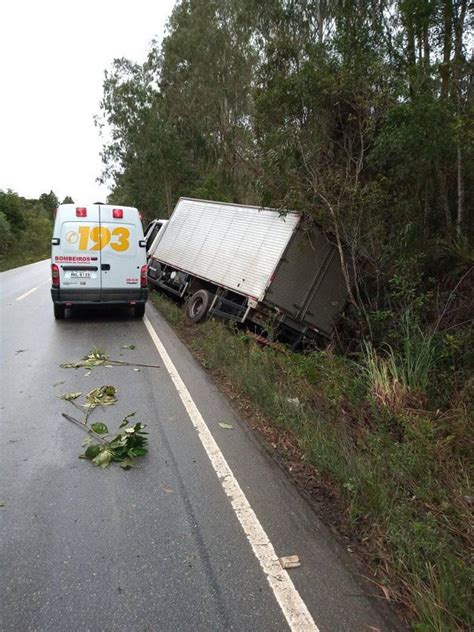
[49,202]
[205,82]
[180,122]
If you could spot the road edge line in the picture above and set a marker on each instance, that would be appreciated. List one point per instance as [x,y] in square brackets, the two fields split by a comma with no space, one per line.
[20,298]
[290,601]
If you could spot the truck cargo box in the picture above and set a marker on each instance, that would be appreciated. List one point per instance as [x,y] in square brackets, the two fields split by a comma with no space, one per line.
[238,247]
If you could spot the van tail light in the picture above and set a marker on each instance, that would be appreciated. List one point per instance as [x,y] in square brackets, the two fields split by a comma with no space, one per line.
[54,275]
[81,211]
[143,276]
[117,213]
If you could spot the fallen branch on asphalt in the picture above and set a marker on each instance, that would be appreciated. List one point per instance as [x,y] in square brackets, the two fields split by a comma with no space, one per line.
[97,357]
[124,447]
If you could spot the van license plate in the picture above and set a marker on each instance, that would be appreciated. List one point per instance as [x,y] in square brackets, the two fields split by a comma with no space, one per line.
[80,275]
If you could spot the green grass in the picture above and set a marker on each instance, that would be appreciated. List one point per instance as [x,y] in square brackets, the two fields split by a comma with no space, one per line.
[401,471]
[170,310]
[16,259]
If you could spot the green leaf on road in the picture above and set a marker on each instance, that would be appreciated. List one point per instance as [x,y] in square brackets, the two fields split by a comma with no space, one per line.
[99,428]
[104,457]
[137,452]
[125,420]
[70,396]
[91,452]
[101,396]
[227,426]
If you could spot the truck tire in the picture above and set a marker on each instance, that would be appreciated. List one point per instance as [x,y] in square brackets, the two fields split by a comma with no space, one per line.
[139,310]
[198,306]
[59,311]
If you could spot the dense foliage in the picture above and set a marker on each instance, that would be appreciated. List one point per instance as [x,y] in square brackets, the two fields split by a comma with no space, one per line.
[26,226]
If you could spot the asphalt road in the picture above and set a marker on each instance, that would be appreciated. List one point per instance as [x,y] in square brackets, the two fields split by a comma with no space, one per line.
[172,544]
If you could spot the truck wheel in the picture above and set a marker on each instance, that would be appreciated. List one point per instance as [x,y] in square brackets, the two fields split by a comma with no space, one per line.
[59,311]
[139,310]
[198,306]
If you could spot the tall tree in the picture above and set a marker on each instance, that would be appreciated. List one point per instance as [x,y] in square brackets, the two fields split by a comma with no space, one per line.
[11,207]
[49,201]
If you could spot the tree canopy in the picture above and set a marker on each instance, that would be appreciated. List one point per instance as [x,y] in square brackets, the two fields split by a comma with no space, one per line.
[25,228]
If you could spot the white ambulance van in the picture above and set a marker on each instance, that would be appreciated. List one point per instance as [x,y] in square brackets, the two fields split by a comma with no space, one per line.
[98,258]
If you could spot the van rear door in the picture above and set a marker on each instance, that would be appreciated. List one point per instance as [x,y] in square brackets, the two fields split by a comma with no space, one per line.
[78,255]
[121,255]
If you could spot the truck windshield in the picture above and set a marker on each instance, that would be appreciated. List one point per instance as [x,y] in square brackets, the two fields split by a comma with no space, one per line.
[152,235]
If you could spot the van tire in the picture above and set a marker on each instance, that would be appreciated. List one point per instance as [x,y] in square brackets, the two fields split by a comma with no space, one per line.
[198,306]
[139,310]
[59,311]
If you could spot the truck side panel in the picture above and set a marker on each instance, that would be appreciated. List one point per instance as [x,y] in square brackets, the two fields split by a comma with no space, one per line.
[237,247]
[308,284]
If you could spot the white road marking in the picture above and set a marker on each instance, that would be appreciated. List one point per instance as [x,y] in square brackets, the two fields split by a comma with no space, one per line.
[20,298]
[292,605]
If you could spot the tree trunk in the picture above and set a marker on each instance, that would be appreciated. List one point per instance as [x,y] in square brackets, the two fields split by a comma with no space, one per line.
[445,72]
[460,217]
[447,47]
[411,51]
[443,191]
[426,47]
[340,248]
[458,71]
[321,15]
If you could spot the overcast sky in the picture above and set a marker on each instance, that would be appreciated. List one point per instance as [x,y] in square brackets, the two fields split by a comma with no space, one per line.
[53,54]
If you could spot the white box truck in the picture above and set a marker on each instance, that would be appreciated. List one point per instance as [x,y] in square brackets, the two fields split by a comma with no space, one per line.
[98,258]
[250,264]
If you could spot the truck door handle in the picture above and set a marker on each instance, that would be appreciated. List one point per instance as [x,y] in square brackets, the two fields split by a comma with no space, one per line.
[105,266]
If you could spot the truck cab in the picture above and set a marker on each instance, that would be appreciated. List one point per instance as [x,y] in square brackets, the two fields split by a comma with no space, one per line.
[153,235]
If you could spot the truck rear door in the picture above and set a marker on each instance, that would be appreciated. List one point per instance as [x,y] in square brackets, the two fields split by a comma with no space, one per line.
[308,284]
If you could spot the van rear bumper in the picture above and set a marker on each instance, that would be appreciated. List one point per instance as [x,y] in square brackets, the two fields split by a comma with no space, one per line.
[109,296]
